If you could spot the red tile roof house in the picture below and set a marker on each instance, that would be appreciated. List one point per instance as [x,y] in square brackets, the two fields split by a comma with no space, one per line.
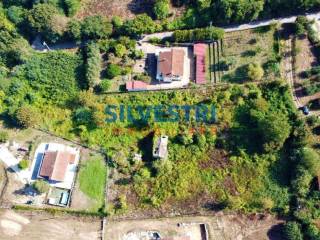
[54,165]
[136,86]
[199,51]
[170,65]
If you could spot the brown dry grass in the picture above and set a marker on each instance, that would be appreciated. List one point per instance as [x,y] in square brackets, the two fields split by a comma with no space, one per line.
[125,9]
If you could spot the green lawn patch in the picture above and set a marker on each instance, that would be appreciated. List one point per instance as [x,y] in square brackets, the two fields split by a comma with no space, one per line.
[93,178]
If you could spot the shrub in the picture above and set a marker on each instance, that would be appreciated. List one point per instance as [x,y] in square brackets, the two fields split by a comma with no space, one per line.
[113,70]
[255,72]
[26,116]
[120,50]
[117,22]
[105,85]
[4,136]
[155,40]
[185,138]
[41,186]
[161,9]
[122,205]
[23,164]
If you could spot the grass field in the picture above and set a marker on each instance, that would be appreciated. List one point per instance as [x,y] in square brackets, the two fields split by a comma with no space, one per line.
[240,49]
[93,179]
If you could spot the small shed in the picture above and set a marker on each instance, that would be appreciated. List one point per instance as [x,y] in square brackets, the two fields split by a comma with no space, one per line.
[160,147]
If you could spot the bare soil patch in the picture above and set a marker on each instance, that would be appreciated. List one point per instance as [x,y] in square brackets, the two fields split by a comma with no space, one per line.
[218,159]
[125,9]
[30,225]
[220,227]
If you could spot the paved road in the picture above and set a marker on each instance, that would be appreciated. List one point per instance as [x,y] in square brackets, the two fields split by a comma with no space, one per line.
[38,44]
[239,27]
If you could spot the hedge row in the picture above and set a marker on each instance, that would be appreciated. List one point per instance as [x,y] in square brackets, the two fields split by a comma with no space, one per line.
[198,34]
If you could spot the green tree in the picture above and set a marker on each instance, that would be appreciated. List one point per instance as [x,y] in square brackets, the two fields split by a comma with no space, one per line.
[161,9]
[140,24]
[74,30]
[72,7]
[312,232]
[255,72]
[16,14]
[301,25]
[310,159]
[44,18]
[26,116]
[94,65]
[275,129]
[230,11]
[96,27]
[302,181]
[292,231]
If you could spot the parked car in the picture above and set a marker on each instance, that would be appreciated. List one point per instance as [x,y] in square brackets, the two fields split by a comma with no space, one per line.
[305,110]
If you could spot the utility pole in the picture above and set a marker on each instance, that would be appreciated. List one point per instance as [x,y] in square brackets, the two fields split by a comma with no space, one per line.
[46,45]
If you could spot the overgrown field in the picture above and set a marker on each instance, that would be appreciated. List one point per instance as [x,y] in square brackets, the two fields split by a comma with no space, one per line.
[237,162]
[240,49]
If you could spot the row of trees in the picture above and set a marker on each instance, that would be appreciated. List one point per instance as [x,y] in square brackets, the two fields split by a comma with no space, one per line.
[230,11]
[93,65]
[69,7]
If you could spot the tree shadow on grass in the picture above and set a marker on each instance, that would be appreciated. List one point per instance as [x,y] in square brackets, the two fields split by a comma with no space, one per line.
[275,232]
[239,76]
[8,122]
[146,145]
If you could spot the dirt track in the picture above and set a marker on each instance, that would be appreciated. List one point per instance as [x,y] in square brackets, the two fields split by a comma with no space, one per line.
[34,226]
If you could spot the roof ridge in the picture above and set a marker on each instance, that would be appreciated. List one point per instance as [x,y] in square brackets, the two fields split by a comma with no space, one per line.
[55,162]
